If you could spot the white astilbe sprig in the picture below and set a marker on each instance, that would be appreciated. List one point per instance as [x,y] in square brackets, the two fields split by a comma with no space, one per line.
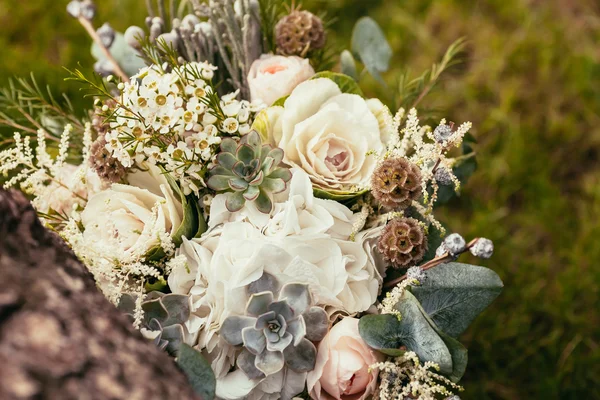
[406,378]
[56,187]
[388,305]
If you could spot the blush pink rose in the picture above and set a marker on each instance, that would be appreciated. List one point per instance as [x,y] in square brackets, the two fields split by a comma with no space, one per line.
[273,77]
[342,368]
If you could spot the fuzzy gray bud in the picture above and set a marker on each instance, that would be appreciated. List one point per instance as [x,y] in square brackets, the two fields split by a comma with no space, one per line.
[454,244]
[79,9]
[104,68]
[170,38]
[134,35]
[453,397]
[106,34]
[483,248]
[442,133]
[416,274]
[443,176]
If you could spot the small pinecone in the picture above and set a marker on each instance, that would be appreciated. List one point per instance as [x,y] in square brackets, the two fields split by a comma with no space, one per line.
[103,163]
[396,183]
[402,242]
[299,32]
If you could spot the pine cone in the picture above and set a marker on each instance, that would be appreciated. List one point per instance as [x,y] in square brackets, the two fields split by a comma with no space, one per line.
[299,32]
[402,242]
[103,163]
[396,183]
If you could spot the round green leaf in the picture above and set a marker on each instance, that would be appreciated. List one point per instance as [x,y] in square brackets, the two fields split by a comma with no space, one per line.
[198,371]
[346,83]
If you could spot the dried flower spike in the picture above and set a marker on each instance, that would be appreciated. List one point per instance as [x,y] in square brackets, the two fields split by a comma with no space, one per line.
[299,32]
[402,242]
[396,183]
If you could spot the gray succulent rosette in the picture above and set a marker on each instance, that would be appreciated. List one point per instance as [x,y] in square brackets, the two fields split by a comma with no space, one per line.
[164,316]
[277,332]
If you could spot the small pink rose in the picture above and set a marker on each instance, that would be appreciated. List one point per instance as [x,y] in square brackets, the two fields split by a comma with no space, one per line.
[273,77]
[342,368]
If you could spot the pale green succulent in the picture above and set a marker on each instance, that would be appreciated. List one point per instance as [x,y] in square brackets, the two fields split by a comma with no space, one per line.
[249,171]
[164,316]
[277,333]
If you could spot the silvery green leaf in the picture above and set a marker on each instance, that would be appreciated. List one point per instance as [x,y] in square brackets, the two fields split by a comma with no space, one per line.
[371,47]
[301,358]
[457,350]
[226,160]
[317,324]
[231,330]
[125,55]
[346,83]
[263,202]
[454,294]
[348,64]
[198,371]
[413,331]
[218,183]
[174,335]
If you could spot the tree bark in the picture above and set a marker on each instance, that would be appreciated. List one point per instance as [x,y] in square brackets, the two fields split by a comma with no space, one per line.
[59,337]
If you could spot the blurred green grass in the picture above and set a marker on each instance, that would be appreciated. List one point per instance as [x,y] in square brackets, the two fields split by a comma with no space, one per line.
[531,86]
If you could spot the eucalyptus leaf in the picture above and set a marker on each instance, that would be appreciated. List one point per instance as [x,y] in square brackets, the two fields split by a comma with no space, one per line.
[346,83]
[457,350]
[371,47]
[454,294]
[348,64]
[198,370]
[125,55]
[413,330]
[193,223]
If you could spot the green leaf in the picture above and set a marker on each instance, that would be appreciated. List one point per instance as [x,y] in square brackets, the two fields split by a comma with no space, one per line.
[280,102]
[413,331]
[126,56]
[189,224]
[457,350]
[337,195]
[434,240]
[198,371]
[348,65]
[454,294]
[346,83]
[371,47]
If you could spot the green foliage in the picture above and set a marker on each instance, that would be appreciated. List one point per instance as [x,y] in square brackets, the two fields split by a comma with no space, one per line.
[346,83]
[454,294]
[198,371]
[371,47]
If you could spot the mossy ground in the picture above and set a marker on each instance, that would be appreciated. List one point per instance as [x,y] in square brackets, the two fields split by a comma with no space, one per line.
[531,86]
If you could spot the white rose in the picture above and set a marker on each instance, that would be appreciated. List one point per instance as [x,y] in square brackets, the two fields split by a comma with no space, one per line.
[328,134]
[126,221]
[273,77]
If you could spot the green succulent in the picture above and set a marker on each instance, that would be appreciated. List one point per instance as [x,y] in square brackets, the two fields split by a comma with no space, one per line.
[163,320]
[249,171]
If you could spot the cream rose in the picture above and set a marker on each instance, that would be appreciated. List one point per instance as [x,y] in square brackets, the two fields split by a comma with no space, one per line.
[273,77]
[126,221]
[343,361]
[328,133]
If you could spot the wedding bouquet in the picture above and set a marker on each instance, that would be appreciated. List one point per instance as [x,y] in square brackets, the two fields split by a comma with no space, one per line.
[254,213]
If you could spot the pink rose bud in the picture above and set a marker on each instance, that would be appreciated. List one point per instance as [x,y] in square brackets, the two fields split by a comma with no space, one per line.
[273,77]
[342,368]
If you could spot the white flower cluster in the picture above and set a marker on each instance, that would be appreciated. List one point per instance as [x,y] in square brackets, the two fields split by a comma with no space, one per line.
[176,121]
[58,188]
[406,378]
